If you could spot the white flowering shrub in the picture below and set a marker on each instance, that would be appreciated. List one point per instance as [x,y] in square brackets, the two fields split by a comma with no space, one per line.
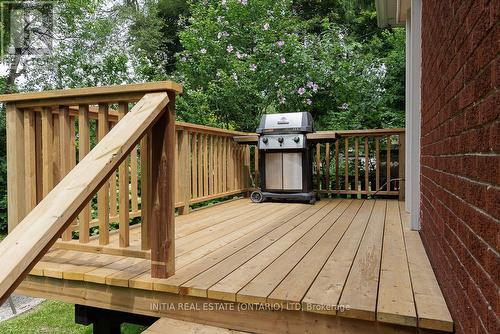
[244,58]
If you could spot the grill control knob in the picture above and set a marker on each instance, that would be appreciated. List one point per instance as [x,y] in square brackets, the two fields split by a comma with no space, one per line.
[296,139]
[264,140]
[280,140]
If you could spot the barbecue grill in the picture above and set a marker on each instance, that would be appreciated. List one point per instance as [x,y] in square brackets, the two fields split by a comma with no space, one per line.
[285,162]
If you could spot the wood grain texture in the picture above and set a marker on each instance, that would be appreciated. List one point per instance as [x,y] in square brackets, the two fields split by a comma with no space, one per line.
[15,165]
[123,190]
[40,228]
[163,147]
[83,150]
[103,194]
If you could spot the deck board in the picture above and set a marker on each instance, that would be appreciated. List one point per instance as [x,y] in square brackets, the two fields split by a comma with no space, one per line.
[361,287]
[395,300]
[324,294]
[348,252]
[297,282]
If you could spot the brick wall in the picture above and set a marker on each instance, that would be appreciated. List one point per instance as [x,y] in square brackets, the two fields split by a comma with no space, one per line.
[460,161]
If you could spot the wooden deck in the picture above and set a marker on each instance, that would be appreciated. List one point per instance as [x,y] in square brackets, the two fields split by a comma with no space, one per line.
[339,264]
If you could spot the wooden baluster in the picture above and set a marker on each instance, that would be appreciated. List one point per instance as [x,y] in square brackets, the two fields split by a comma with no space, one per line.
[194,165]
[113,190]
[241,166]
[356,164]
[237,166]
[184,177]
[205,165]
[377,163]
[47,148]
[337,177]
[401,176]
[103,193]
[318,166]
[216,164]
[134,180]
[163,146]
[177,194]
[124,218]
[38,157]
[72,140]
[246,172]
[146,191]
[367,168]
[256,165]
[200,165]
[55,151]
[72,158]
[224,166]
[232,177]
[30,159]
[220,163]
[83,150]
[327,167]
[211,166]
[15,166]
[64,152]
[346,177]
[388,163]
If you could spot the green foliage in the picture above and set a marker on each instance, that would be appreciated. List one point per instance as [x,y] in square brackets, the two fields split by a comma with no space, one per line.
[242,59]
[90,49]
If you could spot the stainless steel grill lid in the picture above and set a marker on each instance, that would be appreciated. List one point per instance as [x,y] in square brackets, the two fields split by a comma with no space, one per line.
[296,122]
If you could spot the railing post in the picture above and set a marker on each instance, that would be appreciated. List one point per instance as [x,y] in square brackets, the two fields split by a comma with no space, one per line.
[15,166]
[163,191]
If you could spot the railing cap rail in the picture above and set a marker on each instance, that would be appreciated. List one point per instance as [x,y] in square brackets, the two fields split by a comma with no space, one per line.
[147,87]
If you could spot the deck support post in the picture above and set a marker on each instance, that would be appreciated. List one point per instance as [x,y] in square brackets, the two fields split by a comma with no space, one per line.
[15,166]
[108,321]
[162,183]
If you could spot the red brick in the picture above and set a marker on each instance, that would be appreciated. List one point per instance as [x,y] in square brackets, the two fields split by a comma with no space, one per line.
[460,146]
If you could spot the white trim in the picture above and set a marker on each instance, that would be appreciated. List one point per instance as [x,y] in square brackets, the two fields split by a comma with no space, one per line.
[414,66]
[408,184]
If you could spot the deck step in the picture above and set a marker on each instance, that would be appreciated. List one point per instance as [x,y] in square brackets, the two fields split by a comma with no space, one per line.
[167,325]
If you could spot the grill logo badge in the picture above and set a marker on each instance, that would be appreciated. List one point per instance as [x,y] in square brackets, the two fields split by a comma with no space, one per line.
[283,120]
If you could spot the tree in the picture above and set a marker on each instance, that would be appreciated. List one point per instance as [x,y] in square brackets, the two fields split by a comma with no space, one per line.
[242,59]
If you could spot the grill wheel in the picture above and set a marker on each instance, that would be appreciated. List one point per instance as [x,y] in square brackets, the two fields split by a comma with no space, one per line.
[256,197]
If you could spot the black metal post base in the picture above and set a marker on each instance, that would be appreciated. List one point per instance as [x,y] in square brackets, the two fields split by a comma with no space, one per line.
[108,321]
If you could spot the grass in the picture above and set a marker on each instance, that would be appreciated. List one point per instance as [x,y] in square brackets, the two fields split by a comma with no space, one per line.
[2,236]
[53,317]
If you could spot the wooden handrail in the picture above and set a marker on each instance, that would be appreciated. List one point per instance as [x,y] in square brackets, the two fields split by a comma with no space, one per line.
[90,95]
[36,233]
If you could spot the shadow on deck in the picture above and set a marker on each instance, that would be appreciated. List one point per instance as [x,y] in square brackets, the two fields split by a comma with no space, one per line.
[342,264]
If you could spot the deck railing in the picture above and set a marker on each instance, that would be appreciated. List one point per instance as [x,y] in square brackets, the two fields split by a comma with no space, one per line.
[54,172]
[351,162]
[360,162]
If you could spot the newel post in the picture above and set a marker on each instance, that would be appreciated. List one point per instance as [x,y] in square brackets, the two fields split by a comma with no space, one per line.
[16,207]
[162,195]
